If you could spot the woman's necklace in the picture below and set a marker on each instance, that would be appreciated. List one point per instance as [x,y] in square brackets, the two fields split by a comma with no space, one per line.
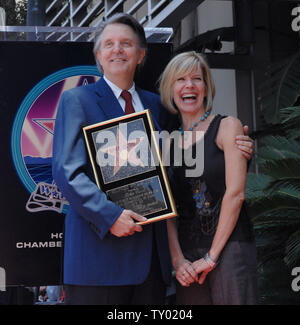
[203,118]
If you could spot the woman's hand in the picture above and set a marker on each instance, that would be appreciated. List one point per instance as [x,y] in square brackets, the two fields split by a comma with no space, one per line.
[202,267]
[185,274]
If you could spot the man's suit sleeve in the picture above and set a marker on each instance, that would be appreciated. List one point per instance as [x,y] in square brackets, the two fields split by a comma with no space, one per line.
[69,166]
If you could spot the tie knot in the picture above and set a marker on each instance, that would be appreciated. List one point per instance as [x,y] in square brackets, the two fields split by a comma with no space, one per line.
[126,95]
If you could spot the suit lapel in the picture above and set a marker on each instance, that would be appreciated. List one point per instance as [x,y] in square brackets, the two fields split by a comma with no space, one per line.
[110,106]
[107,100]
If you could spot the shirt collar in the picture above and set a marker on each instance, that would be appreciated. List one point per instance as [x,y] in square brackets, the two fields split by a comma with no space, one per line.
[116,90]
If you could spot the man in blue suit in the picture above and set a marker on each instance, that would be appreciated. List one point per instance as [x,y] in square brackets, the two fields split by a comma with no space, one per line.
[108,258]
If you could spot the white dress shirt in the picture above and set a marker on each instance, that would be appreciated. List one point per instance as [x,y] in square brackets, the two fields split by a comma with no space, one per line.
[136,101]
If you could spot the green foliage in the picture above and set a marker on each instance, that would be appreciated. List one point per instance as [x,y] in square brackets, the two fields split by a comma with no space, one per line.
[275,280]
[273,195]
[281,88]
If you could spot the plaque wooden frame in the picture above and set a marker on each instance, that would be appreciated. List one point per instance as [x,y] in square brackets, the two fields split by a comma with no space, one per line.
[140,185]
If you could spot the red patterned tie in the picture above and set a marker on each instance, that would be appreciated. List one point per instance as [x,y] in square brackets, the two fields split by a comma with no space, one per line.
[128,100]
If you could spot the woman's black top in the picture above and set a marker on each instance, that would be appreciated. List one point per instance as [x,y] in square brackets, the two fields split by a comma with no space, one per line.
[198,199]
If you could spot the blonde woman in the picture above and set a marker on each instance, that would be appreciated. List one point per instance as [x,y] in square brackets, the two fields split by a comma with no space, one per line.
[211,242]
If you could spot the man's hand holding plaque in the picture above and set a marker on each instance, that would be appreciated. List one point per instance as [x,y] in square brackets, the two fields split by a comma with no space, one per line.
[126,224]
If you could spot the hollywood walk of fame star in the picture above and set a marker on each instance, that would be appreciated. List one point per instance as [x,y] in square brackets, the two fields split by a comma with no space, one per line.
[124,151]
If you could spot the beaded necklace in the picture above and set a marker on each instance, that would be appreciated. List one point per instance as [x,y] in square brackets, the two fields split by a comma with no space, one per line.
[203,118]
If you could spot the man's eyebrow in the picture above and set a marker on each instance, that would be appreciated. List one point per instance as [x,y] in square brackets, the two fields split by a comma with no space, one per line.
[122,39]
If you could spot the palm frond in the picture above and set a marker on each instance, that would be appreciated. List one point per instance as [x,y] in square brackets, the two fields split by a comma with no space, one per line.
[257,182]
[281,89]
[292,257]
[290,114]
[282,169]
[289,189]
[263,199]
[293,134]
[273,195]
[277,147]
[278,217]
[290,119]
[267,205]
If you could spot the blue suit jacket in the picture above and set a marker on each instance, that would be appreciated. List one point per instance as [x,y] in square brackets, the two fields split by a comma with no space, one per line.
[92,255]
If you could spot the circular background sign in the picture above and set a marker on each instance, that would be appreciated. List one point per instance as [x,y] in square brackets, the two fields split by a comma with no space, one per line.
[33,127]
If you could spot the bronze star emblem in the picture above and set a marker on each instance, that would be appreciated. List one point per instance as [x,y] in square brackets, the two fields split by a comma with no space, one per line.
[124,151]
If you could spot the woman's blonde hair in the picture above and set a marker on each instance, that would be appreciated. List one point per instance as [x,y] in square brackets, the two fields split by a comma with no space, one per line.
[179,66]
